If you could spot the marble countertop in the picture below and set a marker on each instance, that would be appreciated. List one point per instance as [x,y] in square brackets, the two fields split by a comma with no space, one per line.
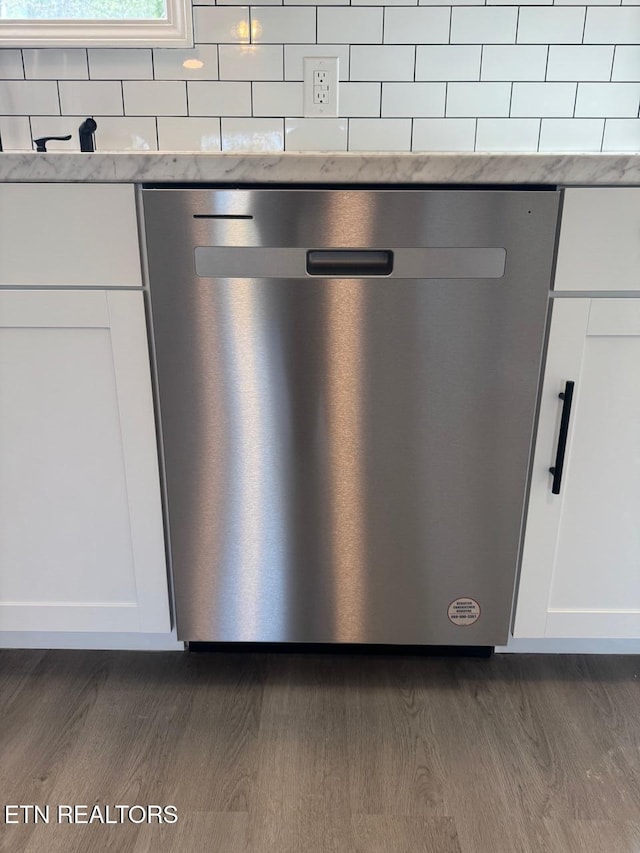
[322,168]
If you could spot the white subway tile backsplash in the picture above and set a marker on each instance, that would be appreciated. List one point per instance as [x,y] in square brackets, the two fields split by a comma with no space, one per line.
[255,3]
[514,62]
[283,24]
[126,134]
[252,134]
[196,63]
[379,134]
[483,74]
[11,64]
[359,100]
[58,126]
[94,97]
[626,62]
[582,2]
[413,99]
[543,99]
[571,134]
[277,99]
[568,62]
[558,25]
[312,3]
[478,99]
[219,99]
[448,62]
[315,134]
[612,25]
[507,134]
[381,2]
[483,25]
[55,64]
[132,63]
[29,97]
[388,62]
[416,26]
[621,135]
[155,98]
[188,134]
[221,25]
[350,25]
[250,62]
[608,100]
[15,133]
[452,3]
[444,134]
[295,53]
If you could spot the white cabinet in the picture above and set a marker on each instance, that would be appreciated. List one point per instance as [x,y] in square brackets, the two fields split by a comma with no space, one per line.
[599,245]
[81,539]
[580,574]
[69,235]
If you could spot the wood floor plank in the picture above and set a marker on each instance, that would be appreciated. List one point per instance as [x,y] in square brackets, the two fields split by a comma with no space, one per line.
[395,763]
[465,699]
[126,750]
[385,833]
[81,839]
[16,666]
[213,832]
[570,728]
[217,754]
[301,801]
[594,836]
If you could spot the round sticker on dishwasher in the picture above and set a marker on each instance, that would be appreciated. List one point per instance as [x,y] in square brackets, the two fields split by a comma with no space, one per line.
[464,611]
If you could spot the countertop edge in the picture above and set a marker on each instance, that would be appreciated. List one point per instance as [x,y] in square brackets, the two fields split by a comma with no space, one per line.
[321,168]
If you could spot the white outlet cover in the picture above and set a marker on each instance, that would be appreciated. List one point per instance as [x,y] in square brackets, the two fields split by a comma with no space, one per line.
[328,64]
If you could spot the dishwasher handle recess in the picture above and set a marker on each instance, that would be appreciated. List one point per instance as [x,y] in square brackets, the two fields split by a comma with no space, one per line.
[349,262]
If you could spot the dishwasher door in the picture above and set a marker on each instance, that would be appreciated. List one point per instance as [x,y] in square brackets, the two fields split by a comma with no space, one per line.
[346,434]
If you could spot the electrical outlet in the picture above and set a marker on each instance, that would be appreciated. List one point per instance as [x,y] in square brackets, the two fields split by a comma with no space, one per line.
[320,86]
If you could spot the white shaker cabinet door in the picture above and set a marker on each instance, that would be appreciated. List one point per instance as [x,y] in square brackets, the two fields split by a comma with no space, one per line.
[81,539]
[580,573]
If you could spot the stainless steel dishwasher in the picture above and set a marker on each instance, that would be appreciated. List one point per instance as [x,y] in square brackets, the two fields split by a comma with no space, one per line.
[347,383]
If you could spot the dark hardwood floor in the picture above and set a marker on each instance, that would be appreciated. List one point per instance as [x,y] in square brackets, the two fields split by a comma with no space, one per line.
[279,753]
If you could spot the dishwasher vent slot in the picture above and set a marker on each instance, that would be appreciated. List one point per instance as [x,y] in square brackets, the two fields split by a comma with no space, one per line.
[349,262]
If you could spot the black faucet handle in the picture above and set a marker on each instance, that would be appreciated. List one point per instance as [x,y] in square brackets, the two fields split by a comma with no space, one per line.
[41,143]
[86,131]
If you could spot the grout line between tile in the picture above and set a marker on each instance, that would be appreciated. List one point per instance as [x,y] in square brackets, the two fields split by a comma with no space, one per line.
[539,134]
[613,60]
[546,65]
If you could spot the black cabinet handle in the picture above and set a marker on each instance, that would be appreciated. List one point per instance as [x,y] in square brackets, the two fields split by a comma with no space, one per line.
[567,397]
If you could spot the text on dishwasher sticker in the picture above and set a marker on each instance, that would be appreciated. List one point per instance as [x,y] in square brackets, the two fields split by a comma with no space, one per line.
[464,611]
